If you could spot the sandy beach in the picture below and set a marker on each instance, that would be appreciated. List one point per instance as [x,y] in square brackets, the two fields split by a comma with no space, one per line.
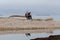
[22,25]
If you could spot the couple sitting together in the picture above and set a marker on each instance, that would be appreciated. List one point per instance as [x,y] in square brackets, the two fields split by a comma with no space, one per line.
[28,15]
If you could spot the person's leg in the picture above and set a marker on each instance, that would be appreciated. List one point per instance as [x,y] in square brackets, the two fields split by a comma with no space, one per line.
[29,17]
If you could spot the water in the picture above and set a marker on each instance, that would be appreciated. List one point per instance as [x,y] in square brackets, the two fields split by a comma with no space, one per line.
[23,36]
[56,18]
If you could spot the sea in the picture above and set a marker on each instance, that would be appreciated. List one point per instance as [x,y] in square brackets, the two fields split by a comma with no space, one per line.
[33,35]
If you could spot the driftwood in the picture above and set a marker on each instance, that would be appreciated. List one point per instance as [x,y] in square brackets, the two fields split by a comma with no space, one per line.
[49,19]
[16,16]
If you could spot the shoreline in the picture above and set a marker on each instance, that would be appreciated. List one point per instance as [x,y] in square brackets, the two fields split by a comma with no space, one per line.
[18,25]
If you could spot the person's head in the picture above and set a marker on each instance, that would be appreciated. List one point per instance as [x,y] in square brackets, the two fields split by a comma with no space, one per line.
[29,13]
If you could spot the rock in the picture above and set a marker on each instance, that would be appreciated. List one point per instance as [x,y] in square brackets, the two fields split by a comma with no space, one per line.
[52,37]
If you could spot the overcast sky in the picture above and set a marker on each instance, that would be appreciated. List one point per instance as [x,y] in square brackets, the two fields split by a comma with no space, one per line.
[45,7]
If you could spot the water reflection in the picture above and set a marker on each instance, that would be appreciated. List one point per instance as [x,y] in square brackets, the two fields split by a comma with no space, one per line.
[23,36]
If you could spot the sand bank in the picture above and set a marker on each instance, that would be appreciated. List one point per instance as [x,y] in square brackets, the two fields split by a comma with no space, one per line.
[21,25]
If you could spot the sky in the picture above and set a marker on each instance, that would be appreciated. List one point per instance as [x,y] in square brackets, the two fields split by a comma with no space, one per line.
[37,7]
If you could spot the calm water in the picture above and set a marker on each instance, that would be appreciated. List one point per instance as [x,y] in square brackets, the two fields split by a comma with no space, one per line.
[33,35]
[56,18]
[23,36]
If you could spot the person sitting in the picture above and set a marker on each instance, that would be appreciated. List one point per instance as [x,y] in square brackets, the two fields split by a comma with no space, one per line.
[28,15]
